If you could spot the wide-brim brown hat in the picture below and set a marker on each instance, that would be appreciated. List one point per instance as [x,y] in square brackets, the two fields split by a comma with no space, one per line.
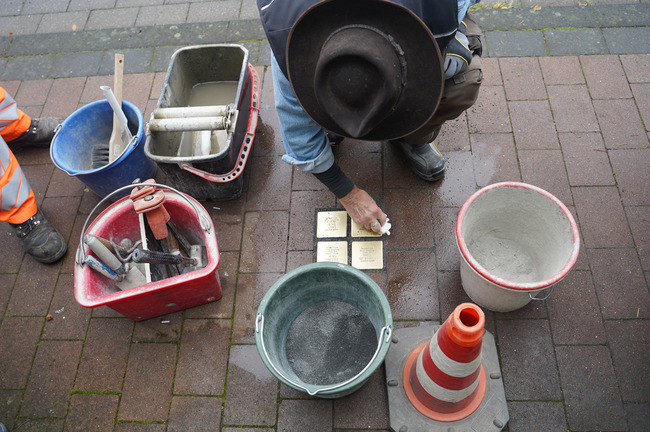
[365,69]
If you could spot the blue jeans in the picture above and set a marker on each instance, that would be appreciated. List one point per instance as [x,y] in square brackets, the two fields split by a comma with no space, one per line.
[305,142]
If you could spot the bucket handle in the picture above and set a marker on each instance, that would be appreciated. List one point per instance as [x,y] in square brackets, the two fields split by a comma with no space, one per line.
[247,143]
[81,254]
[542,299]
[259,328]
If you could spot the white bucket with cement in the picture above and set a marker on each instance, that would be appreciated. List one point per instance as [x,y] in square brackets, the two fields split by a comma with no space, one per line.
[515,240]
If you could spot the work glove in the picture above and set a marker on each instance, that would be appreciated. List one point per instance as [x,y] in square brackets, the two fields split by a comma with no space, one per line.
[457,54]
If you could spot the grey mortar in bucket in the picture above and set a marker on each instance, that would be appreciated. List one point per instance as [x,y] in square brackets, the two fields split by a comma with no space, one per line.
[324,328]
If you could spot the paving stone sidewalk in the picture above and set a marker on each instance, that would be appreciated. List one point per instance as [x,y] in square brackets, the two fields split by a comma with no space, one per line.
[565,105]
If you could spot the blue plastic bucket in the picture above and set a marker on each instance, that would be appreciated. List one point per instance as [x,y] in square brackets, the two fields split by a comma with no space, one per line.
[91,126]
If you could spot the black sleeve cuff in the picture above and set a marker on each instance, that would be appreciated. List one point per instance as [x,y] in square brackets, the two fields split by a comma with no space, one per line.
[336,181]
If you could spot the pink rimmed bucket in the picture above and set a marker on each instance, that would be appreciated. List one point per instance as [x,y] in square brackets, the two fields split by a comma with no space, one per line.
[515,240]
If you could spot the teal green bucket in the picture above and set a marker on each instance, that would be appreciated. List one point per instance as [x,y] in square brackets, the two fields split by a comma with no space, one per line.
[324,328]
[91,126]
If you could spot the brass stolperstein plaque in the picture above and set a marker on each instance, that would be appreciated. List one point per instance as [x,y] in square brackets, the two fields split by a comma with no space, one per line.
[332,224]
[367,255]
[332,251]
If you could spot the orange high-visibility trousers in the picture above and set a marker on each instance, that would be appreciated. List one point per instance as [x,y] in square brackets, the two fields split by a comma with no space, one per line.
[17,201]
[13,122]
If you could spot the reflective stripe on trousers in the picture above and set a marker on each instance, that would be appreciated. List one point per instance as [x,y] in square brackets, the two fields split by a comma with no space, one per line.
[13,122]
[17,201]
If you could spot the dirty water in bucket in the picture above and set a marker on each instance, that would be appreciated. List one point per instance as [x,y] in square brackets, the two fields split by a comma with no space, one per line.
[330,342]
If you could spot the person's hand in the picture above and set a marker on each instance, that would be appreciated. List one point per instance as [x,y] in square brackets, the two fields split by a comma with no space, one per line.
[457,55]
[363,210]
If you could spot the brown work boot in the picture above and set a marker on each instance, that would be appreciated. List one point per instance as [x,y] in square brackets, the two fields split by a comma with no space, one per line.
[40,239]
[40,134]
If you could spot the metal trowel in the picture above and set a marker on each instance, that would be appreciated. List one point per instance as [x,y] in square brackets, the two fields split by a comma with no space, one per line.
[131,276]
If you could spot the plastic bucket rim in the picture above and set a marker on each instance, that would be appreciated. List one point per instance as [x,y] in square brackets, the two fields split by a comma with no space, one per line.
[499,281]
[127,151]
[314,389]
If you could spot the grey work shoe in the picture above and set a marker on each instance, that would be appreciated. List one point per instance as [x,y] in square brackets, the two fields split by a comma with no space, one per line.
[425,160]
[40,134]
[40,239]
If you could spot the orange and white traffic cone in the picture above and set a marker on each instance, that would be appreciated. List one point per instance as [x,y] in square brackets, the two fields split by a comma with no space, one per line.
[443,380]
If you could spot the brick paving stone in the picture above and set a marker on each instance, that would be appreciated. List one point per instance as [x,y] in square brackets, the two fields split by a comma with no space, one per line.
[637,67]
[638,417]
[262,246]
[491,72]
[32,293]
[632,168]
[642,97]
[620,284]
[252,390]
[411,285]
[51,379]
[527,360]
[39,425]
[490,113]
[160,15]
[64,96]
[6,284]
[13,254]
[522,78]
[106,18]
[91,412]
[228,220]
[536,416]
[63,22]
[601,217]
[605,77]
[590,390]
[18,337]
[270,186]
[630,350]
[447,254]
[639,220]
[69,319]
[457,184]
[451,293]
[366,408]
[365,175]
[251,288]
[532,124]
[620,123]
[586,159]
[303,217]
[575,293]
[202,358]
[194,413]
[410,215]
[237,429]
[546,169]
[454,136]
[575,41]
[302,415]
[139,427]
[105,354]
[495,159]
[33,92]
[515,43]
[148,382]
[572,108]
[9,409]
[202,12]
[165,328]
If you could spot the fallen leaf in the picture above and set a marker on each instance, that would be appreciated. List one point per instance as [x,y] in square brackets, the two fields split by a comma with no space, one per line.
[537,8]
[74,27]
[49,317]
